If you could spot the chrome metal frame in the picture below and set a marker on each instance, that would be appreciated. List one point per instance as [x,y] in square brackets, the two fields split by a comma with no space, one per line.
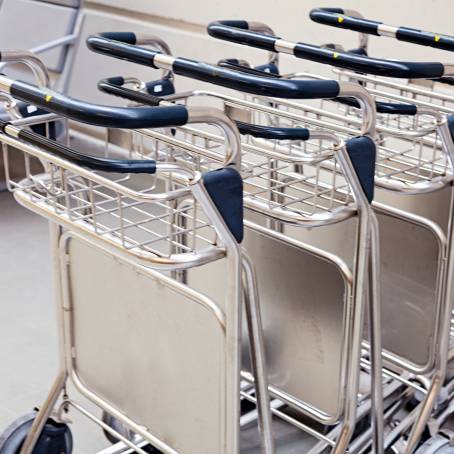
[440,344]
[440,125]
[224,247]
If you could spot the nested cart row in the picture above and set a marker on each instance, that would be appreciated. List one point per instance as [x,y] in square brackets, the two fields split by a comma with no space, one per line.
[320,208]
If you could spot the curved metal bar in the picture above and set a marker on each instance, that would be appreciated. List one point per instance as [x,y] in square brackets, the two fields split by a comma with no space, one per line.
[29,59]
[267,30]
[158,43]
[223,122]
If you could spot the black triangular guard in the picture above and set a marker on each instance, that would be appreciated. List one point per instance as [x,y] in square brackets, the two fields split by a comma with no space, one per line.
[225,188]
[451,125]
[362,152]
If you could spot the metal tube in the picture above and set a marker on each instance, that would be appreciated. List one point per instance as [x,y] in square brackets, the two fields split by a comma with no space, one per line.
[263,28]
[367,104]
[257,350]
[32,61]
[159,44]
[375,336]
[44,413]
[232,136]
[361,265]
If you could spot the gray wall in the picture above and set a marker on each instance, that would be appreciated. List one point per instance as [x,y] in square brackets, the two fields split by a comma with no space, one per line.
[182,24]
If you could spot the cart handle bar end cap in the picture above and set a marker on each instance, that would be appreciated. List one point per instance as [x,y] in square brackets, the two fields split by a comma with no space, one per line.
[225,188]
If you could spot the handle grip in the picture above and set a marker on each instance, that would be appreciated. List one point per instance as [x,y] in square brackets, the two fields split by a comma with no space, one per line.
[389,108]
[115,86]
[267,70]
[143,39]
[29,59]
[248,83]
[273,132]
[76,157]
[227,31]
[337,17]
[98,115]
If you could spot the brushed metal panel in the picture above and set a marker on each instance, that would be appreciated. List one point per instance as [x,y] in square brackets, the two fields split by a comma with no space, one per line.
[302,299]
[409,267]
[149,348]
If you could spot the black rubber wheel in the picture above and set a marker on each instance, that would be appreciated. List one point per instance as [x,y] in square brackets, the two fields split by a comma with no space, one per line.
[436,445]
[117,426]
[121,429]
[55,438]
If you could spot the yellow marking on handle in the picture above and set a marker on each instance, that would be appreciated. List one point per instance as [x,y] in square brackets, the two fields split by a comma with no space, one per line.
[437,38]
[335,55]
[340,19]
[48,98]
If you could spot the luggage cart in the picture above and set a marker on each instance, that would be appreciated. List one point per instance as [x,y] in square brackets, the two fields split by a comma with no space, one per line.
[406,170]
[274,190]
[129,229]
[428,93]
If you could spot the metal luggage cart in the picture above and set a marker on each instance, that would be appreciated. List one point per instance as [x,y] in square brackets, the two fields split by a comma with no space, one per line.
[415,231]
[414,158]
[129,331]
[326,318]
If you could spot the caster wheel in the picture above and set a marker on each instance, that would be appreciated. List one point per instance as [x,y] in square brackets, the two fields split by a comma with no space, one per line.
[121,429]
[151,449]
[117,426]
[436,445]
[55,438]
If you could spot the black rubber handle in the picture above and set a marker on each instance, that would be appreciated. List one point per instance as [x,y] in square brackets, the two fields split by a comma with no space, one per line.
[335,17]
[389,68]
[258,84]
[272,132]
[81,159]
[114,86]
[106,116]
[235,65]
[389,108]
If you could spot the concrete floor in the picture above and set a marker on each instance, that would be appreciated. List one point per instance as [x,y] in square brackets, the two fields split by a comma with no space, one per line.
[28,345]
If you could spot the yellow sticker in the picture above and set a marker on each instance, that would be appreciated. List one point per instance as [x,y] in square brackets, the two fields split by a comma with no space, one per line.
[48,98]
[335,55]
[340,19]
[437,38]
